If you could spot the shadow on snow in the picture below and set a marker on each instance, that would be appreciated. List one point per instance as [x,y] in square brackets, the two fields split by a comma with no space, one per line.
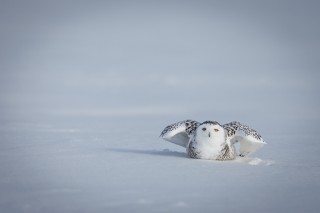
[164,152]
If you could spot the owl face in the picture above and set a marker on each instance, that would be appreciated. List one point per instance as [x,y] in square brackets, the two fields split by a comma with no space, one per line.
[211,132]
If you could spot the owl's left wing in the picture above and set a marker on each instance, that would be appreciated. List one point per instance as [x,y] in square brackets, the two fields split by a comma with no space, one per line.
[179,133]
[250,141]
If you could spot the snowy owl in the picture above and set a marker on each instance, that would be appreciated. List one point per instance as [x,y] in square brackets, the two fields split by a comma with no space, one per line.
[212,141]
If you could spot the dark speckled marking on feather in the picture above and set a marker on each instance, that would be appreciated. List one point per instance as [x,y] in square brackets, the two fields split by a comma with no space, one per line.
[192,151]
[190,126]
[234,126]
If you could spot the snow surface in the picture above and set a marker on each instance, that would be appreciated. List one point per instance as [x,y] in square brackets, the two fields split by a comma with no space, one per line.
[86,87]
[120,165]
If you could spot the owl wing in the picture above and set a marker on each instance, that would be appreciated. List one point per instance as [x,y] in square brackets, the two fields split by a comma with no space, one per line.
[250,141]
[180,133]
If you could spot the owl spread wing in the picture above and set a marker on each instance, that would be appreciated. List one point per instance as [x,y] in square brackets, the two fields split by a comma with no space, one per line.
[180,133]
[250,141]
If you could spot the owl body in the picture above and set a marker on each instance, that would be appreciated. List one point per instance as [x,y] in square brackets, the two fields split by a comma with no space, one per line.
[212,141]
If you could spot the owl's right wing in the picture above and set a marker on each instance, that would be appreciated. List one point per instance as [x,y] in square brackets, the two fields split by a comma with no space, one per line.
[180,133]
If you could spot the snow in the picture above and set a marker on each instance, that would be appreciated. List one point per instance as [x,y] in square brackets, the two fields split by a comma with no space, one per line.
[121,165]
[87,87]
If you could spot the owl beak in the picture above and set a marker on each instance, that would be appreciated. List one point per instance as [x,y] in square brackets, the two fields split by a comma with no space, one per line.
[209,135]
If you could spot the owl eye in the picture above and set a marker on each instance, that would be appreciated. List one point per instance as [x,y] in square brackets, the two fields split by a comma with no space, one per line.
[204,129]
[216,130]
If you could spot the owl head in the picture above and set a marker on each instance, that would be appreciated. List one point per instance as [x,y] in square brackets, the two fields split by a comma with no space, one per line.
[210,132]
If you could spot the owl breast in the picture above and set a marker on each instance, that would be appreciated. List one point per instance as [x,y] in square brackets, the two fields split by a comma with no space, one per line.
[222,153]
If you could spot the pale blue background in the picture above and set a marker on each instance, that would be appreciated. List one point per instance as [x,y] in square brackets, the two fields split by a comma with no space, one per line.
[87,86]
